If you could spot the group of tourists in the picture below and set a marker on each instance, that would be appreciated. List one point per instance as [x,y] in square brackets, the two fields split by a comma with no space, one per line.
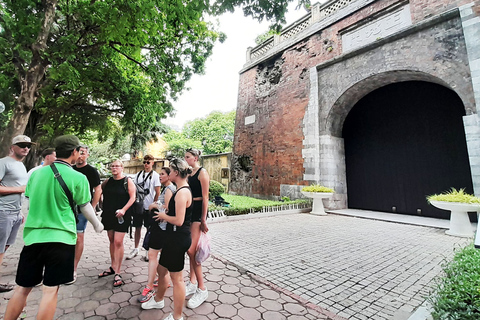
[62,194]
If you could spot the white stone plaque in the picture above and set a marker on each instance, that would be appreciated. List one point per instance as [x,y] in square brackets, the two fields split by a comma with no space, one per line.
[249,120]
[379,28]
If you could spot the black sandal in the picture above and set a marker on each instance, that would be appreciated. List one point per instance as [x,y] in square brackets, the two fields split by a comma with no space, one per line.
[106,273]
[118,281]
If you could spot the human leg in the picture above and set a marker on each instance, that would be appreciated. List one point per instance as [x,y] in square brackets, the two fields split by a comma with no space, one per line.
[17,303]
[81,226]
[157,302]
[196,275]
[10,222]
[48,304]
[152,266]
[137,224]
[119,251]
[178,293]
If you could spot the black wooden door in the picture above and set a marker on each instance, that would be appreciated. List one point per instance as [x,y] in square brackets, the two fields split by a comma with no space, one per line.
[403,142]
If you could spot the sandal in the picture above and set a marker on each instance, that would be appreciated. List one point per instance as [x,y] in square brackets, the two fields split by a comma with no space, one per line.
[118,281]
[106,273]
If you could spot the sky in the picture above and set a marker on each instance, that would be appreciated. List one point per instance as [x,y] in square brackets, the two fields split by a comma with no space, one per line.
[217,89]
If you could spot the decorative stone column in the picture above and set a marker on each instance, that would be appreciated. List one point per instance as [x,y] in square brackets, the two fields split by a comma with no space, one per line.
[472,134]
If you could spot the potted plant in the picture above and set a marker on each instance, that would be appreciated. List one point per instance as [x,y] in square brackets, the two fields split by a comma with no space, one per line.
[459,204]
[318,193]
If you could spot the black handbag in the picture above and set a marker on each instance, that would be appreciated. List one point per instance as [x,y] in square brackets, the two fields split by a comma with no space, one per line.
[58,176]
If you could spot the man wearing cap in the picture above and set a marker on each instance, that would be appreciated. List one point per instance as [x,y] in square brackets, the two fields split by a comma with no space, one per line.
[50,231]
[13,178]
[95,191]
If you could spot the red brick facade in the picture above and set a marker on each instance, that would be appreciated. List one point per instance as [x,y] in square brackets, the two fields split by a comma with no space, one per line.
[273,144]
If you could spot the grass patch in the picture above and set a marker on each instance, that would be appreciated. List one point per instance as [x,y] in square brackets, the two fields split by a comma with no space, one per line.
[456,295]
[243,204]
[318,188]
[454,196]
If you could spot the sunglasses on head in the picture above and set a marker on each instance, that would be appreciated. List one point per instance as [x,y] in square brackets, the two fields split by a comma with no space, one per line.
[24,145]
[146,162]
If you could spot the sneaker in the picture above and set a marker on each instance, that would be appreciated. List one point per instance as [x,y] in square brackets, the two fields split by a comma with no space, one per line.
[152,304]
[170,317]
[155,283]
[190,288]
[146,294]
[198,298]
[132,254]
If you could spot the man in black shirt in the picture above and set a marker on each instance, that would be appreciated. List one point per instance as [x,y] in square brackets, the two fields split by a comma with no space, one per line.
[95,191]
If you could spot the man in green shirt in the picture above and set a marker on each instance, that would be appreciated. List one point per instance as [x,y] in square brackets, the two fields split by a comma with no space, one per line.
[50,231]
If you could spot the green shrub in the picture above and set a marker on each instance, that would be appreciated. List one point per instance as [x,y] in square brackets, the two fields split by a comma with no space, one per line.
[318,188]
[456,295]
[243,205]
[216,189]
[454,196]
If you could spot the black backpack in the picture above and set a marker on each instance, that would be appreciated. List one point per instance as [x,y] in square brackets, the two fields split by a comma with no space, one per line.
[137,206]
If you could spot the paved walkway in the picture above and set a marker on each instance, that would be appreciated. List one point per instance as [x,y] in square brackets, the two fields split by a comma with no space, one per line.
[288,266]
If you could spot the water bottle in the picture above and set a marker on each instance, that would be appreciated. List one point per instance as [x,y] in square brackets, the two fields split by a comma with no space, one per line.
[120,218]
[162,224]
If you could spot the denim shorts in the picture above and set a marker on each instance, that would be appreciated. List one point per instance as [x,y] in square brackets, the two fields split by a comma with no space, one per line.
[82,223]
[10,221]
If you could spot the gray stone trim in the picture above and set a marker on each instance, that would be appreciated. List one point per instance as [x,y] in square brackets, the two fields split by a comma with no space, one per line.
[311,141]
[471,31]
[472,134]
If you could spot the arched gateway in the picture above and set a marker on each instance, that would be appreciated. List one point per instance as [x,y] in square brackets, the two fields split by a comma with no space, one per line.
[305,97]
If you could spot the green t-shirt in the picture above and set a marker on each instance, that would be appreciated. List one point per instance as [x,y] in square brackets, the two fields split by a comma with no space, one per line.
[50,217]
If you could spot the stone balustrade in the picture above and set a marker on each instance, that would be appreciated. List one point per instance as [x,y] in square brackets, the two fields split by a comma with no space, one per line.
[318,12]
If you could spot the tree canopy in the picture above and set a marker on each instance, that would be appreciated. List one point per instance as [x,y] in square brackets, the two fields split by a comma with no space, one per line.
[212,134]
[72,65]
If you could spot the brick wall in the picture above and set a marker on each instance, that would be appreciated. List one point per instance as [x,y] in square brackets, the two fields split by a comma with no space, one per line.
[268,152]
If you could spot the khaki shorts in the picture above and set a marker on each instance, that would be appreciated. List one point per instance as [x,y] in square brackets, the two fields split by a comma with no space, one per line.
[10,221]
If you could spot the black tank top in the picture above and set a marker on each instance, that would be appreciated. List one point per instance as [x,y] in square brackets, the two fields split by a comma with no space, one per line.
[195,184]
[114,195]
[185,227]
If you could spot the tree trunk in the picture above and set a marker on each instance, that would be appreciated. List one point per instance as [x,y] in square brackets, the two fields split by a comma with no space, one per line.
[30,80]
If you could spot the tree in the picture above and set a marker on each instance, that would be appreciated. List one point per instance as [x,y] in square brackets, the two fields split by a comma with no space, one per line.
[71,65]
[215,131]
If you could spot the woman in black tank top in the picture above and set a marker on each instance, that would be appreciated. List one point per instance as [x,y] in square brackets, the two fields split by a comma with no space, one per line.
[177,241]
[199,182]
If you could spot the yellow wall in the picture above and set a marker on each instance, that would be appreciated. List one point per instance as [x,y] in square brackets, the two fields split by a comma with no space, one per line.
[214,164]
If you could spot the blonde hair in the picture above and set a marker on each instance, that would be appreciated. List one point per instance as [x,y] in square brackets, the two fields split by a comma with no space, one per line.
[181,166]
[194,152]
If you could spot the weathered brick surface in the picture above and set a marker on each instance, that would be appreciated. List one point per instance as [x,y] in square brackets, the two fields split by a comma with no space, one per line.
[277,91]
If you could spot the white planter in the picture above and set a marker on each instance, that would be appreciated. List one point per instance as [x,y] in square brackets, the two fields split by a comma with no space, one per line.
[460,225]
[318,197]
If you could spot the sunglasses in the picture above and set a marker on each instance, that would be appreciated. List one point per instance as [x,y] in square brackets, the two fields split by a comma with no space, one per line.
[146,162]
[24,145]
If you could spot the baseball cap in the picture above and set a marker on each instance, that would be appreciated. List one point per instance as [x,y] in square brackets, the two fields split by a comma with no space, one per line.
[22,139]
[66,142]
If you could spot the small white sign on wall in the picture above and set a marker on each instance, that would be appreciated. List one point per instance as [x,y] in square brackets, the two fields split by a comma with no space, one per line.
[379,28]
[249,119]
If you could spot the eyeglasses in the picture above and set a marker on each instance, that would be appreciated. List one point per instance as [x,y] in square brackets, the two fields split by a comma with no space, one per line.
[24,145]
[115,166]
[146,162]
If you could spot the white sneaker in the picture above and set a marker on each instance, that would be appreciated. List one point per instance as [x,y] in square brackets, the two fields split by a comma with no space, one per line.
[190,288]
[198,298]
[132,254]
[170,317]
[152,304]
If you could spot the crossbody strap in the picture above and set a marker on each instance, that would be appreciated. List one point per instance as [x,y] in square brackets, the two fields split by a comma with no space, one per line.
[60,180]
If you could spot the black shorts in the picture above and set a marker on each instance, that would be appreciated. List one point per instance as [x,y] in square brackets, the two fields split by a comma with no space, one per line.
[110,222]
[197,211]
[141,219]
[157,237]
[57,259]
[176,245]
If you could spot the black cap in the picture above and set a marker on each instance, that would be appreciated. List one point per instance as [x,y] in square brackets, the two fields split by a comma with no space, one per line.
[66,142]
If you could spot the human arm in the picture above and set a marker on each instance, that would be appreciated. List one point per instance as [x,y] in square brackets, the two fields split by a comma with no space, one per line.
[168,196]
[96,195]
[10,190]
[204,179]
[89,213]
[157,194]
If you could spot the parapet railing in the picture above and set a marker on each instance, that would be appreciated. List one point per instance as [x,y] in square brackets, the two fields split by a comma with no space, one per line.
[317,13]
[212,215]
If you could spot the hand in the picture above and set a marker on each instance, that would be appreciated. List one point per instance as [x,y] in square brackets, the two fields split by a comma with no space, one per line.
[153,206]
[23,218]
[157,216]
[119,213]
[203,226]
[22,188]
